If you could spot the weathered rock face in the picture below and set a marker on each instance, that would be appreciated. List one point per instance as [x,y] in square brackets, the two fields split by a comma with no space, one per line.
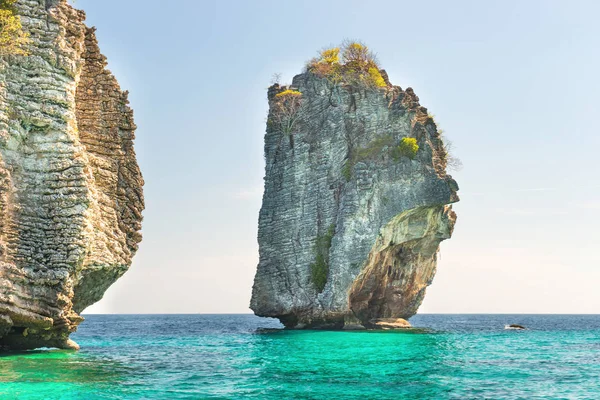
[337,194]
[70,187]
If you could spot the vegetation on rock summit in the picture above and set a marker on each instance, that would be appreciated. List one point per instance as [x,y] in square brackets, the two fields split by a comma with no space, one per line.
[351,63]
[12,37]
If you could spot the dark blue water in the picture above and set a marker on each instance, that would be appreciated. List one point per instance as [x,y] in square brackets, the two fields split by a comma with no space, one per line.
[242,356]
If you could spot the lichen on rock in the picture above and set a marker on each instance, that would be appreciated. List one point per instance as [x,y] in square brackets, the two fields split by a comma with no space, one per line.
[70,186]
[368,160]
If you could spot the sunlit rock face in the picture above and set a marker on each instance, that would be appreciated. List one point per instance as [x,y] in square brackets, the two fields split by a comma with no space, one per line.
[70,187]
[336,189]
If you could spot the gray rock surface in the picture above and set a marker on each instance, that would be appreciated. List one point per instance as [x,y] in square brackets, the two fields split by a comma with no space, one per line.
[70,187]
[387,213]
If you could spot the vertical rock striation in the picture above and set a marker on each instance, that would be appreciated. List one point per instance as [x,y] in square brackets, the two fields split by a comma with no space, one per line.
[340,200]
[70,187]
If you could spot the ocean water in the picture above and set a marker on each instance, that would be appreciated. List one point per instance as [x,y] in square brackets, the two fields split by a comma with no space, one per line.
[242,356]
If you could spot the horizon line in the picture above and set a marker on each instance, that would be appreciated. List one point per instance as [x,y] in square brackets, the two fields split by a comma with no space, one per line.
[457,313]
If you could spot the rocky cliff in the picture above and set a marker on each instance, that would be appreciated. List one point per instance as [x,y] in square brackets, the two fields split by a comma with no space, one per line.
[356,200]
[70,187]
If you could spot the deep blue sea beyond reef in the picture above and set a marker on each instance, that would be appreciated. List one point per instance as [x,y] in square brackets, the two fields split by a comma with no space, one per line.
[242,356]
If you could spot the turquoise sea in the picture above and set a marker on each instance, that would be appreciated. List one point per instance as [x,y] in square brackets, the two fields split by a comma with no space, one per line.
[242,356]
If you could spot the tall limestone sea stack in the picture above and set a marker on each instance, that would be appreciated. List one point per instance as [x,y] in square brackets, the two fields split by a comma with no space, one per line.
[70,186]
[356,200]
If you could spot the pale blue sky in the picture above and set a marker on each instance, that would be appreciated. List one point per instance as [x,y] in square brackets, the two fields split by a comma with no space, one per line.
[514,84]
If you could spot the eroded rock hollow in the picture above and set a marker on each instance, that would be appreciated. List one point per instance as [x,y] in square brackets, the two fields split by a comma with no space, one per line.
[70,187]
[355,205]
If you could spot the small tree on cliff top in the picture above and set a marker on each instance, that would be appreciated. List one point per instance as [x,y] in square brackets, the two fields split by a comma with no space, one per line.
[452,162]
[358,53]
[286,109]
[12,37]
[331,56]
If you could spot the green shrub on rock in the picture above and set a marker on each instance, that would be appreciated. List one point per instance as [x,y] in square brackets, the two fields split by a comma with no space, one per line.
[408,147]
[12,37]
[319,270]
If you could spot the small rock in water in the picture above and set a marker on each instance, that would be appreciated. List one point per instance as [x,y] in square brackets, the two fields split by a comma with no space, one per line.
[515,326]
[70,344]
[391,323]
